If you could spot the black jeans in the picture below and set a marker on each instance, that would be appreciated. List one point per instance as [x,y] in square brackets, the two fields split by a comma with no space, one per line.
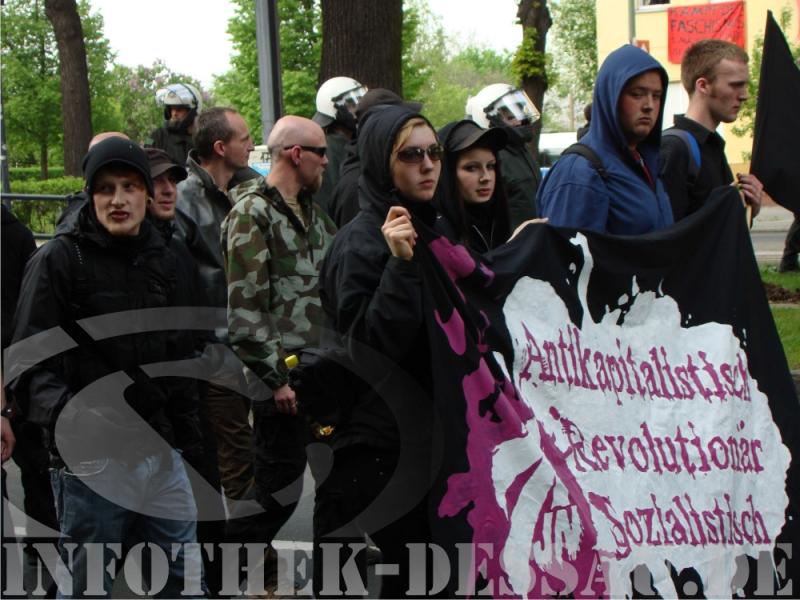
[358,475]
[280,460]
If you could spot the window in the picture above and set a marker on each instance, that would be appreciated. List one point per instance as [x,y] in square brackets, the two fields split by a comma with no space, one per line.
[644,3]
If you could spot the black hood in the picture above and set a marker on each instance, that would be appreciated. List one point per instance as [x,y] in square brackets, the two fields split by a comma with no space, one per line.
[375,140]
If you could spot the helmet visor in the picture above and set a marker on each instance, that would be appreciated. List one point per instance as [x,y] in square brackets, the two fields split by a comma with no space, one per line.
[349,99]
[513,109]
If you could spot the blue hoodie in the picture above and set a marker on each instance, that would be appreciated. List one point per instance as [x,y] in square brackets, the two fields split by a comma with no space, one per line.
[574,194]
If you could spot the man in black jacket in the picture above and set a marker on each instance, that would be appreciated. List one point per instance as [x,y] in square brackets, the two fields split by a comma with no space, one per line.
[103,287]
[715,74]
[222,147]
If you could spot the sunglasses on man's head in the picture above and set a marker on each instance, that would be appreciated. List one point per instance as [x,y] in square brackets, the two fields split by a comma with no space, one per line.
[417,155]
[318,150]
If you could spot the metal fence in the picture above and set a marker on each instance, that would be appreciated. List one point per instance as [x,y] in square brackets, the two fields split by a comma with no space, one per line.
[36,211]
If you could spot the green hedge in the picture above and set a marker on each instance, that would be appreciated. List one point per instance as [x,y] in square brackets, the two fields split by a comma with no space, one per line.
[39,216]
[60,186]
[17,174]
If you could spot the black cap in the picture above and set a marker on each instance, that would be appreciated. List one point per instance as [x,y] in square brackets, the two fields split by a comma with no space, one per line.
[116,150]
[160,163]
[468,133]
[376,96]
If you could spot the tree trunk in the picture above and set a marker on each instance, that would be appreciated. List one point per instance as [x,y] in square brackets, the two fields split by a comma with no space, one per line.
[362,39]
[534,16]
[75,103]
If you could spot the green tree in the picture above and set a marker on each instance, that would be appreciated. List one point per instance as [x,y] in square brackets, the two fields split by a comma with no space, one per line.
[300,47]
[31,88]
[460,76]
[574,55]
[440,73]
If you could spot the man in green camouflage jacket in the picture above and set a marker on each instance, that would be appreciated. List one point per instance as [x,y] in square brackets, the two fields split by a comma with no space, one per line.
[274,240]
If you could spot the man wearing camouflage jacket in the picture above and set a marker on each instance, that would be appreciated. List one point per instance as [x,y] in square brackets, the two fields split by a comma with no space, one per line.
[274,240]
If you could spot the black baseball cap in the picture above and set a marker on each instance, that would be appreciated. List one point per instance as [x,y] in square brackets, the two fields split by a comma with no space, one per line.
[467,134]
[160,163]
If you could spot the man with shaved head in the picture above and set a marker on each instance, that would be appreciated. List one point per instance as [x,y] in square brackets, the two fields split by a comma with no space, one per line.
[274,239]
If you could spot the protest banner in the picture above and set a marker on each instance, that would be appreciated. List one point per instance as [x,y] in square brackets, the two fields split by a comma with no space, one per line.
[690,24]
[609,402]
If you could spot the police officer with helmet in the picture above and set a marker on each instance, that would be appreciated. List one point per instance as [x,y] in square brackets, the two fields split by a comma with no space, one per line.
[181,102]
[505,106]
[336,105]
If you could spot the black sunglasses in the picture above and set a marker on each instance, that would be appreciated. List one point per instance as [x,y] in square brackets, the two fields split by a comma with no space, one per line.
[417,155]
[318,150]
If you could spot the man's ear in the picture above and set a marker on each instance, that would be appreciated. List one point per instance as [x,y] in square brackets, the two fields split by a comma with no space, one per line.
[219,148]
[702,85]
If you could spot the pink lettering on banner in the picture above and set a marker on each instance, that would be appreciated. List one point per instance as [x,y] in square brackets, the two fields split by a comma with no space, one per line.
[635,439]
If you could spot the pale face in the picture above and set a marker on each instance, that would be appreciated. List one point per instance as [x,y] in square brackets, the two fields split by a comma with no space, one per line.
[476,175]
[417,182]
[166,193]
[311,165]
[728,90]
[639,106]
[236,151]
[120,200]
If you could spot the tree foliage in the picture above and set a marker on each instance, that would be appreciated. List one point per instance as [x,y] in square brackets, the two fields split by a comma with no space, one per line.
[300,47]
[575,48]
[31,91]
[31,86]
[441,73]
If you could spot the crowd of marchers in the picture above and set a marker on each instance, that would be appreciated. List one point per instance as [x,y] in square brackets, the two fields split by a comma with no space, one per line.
[180,254]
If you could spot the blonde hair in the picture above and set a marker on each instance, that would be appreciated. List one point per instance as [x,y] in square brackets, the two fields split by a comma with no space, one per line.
[405,133]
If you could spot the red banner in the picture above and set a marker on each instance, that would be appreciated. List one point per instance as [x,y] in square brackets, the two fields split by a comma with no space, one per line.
[690,24]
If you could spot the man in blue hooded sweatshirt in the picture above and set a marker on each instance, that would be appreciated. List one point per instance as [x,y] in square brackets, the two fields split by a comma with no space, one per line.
[622,193]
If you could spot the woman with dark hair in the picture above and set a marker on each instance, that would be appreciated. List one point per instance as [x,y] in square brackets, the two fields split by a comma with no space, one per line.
[471,197]
[372,293]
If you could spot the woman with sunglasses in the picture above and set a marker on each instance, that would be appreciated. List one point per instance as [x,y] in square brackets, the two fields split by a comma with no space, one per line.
[471,197]
[371,290]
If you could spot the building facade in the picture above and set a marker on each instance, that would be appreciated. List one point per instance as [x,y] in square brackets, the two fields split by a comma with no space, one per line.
[664,32]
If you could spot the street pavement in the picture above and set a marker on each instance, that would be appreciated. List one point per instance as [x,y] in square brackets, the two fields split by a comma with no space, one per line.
[769,233]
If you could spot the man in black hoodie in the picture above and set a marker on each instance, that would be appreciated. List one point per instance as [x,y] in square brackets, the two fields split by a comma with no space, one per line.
[112,431]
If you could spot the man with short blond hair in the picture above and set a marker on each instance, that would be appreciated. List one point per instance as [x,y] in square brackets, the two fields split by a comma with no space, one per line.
[693,162]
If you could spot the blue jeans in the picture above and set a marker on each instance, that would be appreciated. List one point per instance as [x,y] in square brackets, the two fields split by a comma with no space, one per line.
[105,507]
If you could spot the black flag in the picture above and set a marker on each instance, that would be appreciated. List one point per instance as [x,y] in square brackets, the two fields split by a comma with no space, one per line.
[610,402]
[777,126]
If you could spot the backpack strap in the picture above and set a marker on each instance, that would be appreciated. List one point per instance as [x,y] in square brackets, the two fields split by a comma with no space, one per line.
[582,150]
[590,155]
[692,147]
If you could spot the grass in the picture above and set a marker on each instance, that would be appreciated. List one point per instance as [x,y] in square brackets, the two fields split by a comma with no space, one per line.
[787,320]
[790,281]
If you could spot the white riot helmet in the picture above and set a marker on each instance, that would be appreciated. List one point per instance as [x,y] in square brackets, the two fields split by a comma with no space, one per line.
[180,94]
[337,99]
[501,104]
